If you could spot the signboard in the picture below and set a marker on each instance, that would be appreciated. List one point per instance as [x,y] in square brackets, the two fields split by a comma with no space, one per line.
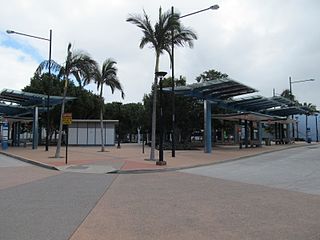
[67,119]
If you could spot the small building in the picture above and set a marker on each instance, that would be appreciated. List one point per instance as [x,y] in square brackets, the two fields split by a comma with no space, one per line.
[87,132]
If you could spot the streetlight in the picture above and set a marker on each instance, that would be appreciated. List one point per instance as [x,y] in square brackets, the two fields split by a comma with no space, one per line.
[119,117]
[290,89]
[298,81]
[48,97]
[214,7]
[161,162]
[317,133]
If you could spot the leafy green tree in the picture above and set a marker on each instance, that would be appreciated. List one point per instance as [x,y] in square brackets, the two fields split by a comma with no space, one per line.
[85,106]
[81,67]
[107,76]
[159,38]
[132,116]
[189,114]
[210,75]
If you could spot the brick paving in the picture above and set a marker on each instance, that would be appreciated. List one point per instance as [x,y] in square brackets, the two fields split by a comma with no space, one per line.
[130,157]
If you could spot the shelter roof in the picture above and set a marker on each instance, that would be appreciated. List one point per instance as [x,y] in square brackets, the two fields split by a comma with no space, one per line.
[29,99]
[253,103]
[22,103]
[287,111]
[251,116]
[283,100]
[14,110]
[218,89]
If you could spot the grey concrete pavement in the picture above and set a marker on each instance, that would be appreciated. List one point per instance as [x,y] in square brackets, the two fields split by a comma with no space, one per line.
[6,161]
[14,172]
[50,208]
[295,169]
[97,169]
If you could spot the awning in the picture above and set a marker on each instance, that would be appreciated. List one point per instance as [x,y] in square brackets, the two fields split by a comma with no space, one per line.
[218,89]
[287,111]
[250,116]
[253,103]
[22,103]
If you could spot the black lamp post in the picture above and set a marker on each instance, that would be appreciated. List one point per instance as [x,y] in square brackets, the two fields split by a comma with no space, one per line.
[214,7]
[119,113]
[49,68]
[161,161]
[317,133]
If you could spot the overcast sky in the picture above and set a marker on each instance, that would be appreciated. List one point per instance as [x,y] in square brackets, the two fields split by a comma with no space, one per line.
[258,43]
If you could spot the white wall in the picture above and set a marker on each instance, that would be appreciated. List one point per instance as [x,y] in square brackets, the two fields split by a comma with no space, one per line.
[89,133]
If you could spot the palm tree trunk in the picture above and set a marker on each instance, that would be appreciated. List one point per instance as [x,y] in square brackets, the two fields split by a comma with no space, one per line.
[101,118]
[57,155]
[154,111]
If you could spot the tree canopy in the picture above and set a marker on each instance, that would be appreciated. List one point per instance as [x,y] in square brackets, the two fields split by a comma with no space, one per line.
[210,75]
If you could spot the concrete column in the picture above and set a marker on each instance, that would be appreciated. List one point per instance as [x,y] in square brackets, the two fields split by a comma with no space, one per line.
[139,137]
[251,132]
[207,127]
[281,132]
[260,133]
[35,127]
[276,132]
[246,138]
[240,133]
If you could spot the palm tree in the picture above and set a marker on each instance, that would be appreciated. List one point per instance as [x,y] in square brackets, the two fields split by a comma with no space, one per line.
[287,94]
[108,77]
[159,38]
[81,67]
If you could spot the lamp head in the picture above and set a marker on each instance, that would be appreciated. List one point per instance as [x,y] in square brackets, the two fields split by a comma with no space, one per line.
[214,7]
[10,31]
[160,74]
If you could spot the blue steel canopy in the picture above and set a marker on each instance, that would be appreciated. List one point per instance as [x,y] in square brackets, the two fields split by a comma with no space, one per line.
[287,111]
[251,116]
[253,103]
[222,92]
[22,103]
[218,89]
[276,105]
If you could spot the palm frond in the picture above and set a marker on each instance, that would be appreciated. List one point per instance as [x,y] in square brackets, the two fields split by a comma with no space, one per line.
[44,65]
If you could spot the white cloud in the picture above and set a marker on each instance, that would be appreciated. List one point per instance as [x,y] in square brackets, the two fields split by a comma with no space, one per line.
[16,68]
[259,44]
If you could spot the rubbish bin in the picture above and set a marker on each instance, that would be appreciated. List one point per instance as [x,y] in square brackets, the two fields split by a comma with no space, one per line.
[268,142]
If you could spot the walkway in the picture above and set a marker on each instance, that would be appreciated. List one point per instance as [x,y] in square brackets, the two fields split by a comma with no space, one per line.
[130,157]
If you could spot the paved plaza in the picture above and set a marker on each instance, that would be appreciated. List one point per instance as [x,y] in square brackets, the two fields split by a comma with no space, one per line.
[130,157]
[274,194]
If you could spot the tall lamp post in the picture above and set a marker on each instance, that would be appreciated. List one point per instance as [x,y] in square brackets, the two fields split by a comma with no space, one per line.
[214,7]
[119,117]
[49,68]
[297,122]
[290,89]
[317,132]
[161,162]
